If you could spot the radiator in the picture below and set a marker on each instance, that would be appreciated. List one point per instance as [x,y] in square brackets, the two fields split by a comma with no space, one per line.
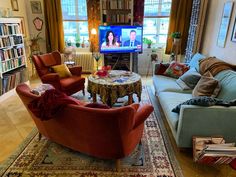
[83,59]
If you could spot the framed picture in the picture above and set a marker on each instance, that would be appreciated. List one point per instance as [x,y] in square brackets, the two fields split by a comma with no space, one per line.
[224,25]
[14,5]
[36,7]
[38,23]
[233,37]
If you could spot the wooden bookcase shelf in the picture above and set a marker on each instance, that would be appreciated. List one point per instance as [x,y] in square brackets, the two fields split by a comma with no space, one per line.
[12,54]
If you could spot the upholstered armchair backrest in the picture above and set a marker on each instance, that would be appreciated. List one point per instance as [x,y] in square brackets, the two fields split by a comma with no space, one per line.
[44,62]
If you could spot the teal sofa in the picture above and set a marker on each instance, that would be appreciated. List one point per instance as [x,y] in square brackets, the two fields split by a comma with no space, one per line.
[197,120]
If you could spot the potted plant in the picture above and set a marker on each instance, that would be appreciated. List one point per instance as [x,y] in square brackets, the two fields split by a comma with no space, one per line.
[68,43]
[147,41]
[77,41]
[176,36]
[34,46]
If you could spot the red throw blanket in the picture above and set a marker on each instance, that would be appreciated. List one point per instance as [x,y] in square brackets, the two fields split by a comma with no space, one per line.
[46,106]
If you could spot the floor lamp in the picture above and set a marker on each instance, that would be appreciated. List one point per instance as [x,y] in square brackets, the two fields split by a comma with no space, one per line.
[96,55]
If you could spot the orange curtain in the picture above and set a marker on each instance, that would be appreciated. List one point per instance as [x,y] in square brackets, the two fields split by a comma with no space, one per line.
[54,25]
[93,10]
[179,22]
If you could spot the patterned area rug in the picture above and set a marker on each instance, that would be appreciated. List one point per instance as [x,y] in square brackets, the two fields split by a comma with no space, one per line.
[151,158]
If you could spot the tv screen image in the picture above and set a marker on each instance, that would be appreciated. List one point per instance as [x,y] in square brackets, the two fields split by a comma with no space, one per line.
[120,39]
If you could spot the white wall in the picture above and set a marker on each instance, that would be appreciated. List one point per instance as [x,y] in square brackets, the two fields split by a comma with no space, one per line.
[209,45]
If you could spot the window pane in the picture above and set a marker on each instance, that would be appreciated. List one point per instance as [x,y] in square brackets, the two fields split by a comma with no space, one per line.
[74,9]
[156,29]
[75,30]
[157,7]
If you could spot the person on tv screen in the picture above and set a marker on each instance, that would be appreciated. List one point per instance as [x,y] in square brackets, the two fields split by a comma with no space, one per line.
[110,40]
[132,42]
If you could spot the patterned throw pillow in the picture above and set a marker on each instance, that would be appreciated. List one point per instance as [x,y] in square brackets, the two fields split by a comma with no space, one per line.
[176,69]
[62,70]
[202,101]
[41,89]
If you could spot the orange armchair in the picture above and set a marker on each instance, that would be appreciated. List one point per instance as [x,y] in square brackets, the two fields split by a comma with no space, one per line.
[69,85]
[103,133]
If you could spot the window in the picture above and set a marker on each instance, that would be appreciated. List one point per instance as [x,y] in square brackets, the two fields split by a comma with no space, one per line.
[75,20]
[156,20]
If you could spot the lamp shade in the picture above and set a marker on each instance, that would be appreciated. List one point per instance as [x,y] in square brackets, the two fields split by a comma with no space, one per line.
[93,31]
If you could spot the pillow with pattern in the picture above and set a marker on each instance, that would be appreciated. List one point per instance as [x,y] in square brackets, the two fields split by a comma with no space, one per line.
[176,69]
[41,89]
[202,101]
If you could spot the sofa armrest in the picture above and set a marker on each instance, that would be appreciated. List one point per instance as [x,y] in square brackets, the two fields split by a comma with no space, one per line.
[76,70]
[205,121]
[53,79]
[142,114]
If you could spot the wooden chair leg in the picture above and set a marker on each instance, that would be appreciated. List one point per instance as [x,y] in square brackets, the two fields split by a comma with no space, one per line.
[39,136]
[118,164]
[83,92]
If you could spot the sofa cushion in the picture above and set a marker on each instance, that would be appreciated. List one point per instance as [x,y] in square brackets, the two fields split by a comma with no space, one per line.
[227,80]
[62,70]
[165,84]
[194,63]
[170,100]
[207,86]
[176,69]
[71,82]
[161,68]
[189,79]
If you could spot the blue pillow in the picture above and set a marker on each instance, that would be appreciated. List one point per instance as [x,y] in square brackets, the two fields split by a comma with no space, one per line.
[194,63]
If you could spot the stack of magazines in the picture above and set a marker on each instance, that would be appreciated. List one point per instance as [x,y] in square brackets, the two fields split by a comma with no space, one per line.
[213,150]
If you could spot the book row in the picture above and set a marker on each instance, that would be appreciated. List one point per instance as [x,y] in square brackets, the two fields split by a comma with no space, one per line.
[11,80]
[10,29]
[11,53]
[213,150]
[116,4]
[10,40]
[116,18]
[12,64]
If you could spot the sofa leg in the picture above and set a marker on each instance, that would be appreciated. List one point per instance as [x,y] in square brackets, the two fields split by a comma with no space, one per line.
[39,136]
[83,92]
[118,163]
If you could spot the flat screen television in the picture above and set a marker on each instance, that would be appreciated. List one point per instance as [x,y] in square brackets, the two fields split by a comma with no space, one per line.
[120,39]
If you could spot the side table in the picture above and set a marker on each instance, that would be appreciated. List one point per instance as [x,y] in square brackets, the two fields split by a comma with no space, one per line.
[117,84]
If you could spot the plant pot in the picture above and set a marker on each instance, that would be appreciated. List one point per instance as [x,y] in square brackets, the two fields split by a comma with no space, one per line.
[176,40]
[149,45]
[77,44]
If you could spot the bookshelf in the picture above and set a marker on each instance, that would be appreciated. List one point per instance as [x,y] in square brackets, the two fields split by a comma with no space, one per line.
[117,12]
[12,54]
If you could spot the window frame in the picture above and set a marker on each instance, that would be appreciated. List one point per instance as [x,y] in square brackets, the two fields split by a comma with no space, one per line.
[156,17]
[76,20]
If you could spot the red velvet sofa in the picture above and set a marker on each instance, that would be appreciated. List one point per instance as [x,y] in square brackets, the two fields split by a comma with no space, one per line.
[104,133]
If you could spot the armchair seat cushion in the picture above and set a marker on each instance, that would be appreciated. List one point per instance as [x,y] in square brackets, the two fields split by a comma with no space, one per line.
[71,82]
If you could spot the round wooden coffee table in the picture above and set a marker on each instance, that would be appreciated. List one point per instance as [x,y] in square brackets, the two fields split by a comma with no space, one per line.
[117,84]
